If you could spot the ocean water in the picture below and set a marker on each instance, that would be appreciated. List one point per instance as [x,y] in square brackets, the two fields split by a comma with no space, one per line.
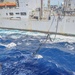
[55,57]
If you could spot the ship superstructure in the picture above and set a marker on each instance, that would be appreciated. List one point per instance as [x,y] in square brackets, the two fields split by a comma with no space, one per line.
[69,5]
[33,15]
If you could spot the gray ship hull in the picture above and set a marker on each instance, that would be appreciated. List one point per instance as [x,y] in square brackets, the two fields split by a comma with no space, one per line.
[64,26]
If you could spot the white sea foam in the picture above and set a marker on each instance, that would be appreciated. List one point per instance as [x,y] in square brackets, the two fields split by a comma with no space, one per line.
[54,63]
[0,36]
[15,37]
[35,34]
[27,44]
[19,43]
[73,73]
[70,47]
[60,38]
[11,45]
[38,56]
[2,44]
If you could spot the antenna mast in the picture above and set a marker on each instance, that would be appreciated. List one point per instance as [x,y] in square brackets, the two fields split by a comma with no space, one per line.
[41,10]
[49,4]
[49,9]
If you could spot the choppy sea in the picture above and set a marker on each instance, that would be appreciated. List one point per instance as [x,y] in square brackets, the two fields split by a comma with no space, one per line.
[55,57]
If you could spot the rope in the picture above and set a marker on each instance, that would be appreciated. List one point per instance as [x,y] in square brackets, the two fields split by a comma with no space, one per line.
[48,35]
[41,44]
[56,29]
[51,23]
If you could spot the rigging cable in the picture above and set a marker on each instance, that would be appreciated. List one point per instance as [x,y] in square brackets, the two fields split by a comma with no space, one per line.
[58,18]
[48,36]
[40,45]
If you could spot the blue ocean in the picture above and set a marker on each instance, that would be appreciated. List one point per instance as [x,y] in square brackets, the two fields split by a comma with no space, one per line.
[19,55]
